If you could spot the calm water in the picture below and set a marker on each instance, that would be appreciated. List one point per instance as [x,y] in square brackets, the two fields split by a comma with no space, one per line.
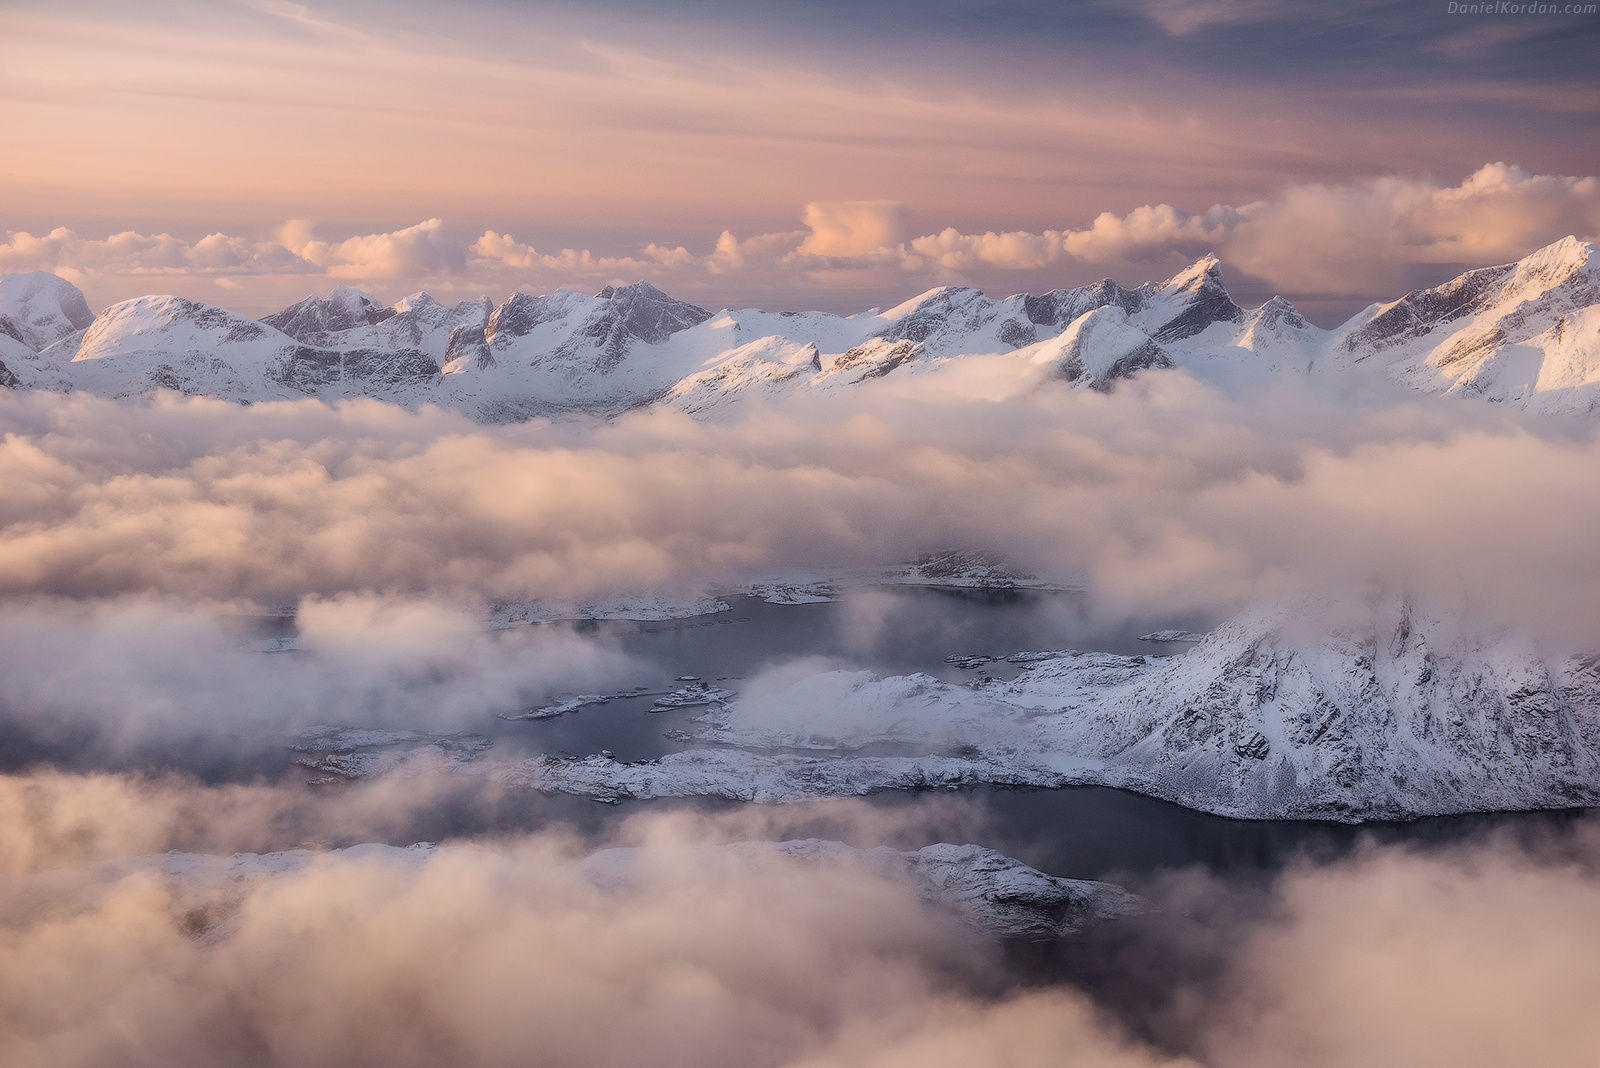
[891,631]
[1080,832]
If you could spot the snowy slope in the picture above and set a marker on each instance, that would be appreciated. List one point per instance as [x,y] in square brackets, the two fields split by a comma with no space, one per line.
[1302,711]
[1522,333]
[1097,348]
[351,319]
[38,309]
[164,342]
[764,369]
[1525,334]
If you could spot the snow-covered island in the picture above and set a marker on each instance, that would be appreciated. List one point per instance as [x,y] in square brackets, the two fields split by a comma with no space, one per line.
[1272,716]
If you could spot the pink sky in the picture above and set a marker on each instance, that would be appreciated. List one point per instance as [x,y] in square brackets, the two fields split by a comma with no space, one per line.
[584,135]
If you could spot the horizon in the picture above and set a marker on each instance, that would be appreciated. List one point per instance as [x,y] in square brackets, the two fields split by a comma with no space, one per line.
[1249,303]
[756,155]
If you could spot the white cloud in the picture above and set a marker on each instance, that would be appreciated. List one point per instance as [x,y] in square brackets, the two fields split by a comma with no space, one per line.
[1138,492]
[853,227]
[1359,239]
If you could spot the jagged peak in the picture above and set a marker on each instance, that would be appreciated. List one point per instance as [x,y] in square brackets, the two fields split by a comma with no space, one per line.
[1205,272]
[1567,253]
[1278,310]
[633,290]
[938,294]
[343,294]
[420,299]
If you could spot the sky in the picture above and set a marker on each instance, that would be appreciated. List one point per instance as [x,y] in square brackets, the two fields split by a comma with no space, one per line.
[836,155]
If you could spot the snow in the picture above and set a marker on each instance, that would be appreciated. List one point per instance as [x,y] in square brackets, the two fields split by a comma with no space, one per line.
[1170,636]
[1300,711]
[38,309]
[794,592]
[1097,348]
[1521,333]
[1525,334]
[339,753]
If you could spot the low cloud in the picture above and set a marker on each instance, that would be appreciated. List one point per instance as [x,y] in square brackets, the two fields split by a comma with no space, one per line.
[485,950]
[1373,238]
[185,684]
[1164,496]
[853,228]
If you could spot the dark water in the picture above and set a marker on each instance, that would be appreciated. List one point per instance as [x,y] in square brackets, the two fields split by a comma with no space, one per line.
[890,631]
[1083,832]
[1079,832]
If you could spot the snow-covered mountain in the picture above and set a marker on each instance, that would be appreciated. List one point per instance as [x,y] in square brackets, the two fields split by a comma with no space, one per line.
[1098,348]
[1304,710]
[1525,334]
[163,342]
[352,319]
[38,309]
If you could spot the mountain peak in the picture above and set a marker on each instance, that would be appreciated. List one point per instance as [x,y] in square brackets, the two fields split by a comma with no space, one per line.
[633,290]
[1203,273]
[1099,347]
[1567,253]
[1278,310]
[936,295]
[420,299]
[1188,302]
[344,307]
[39,308]
[343,292]
[639,310]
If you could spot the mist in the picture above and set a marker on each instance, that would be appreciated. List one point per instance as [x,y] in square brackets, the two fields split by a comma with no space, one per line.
[530,947]
[1165,494]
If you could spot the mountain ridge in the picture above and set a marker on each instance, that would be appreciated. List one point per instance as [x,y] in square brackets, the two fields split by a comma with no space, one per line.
[1522,334]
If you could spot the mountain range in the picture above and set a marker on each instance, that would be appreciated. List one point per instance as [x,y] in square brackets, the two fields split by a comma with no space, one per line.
[1525,334]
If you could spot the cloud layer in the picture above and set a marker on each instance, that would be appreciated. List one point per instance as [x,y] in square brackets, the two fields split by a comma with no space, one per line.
[1365,239]
[492,952]
[1164,495]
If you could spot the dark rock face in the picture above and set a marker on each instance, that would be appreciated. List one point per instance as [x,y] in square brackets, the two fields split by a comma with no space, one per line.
[1059,307]
[876,360]
[1256,747]
[519,315]
[312,318]
[311,370]
[469,342]
[1016,335]
[12,329]
[1421,310]
[7,379]
[644,312]
[1207,308]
